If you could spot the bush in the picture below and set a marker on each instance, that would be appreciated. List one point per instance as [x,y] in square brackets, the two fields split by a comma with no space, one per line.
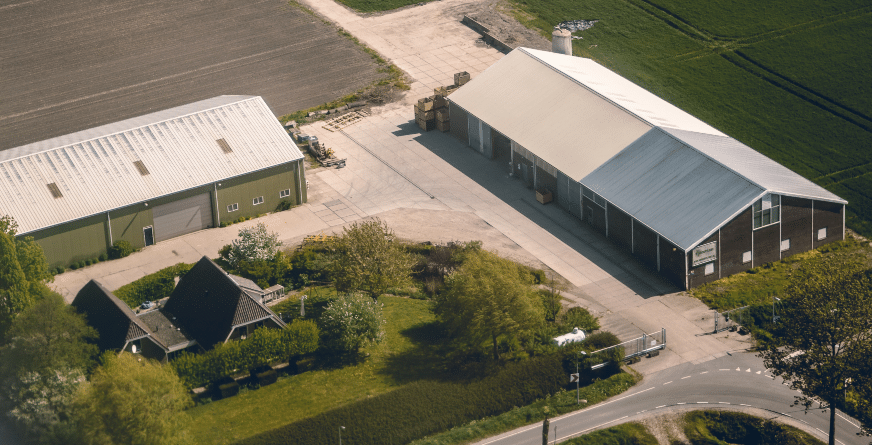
[539,276]
[88,262]
[601,340]
[284,205]
[423,408]
[578,317]
[60,270]
[351,322]
[121,249]
[152,287]
[74,266]
[263,347]
[103,257]
[551,304]
[254,244]
[717,427]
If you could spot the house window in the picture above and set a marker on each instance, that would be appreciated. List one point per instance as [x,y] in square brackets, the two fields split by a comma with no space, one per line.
[822,233]
[709,268]
[285,193]
[746,257]
[767,210]
[785,244]
[233,207]
[256,201]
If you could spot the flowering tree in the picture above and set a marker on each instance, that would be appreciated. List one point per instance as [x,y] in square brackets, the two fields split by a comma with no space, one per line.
[254,244]
[351,322]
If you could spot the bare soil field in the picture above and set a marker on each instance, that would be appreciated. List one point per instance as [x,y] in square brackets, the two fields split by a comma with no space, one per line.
[69,65]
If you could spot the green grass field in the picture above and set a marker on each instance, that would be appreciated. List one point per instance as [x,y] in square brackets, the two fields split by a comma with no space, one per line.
[396,361]
[379,5]
[786,78]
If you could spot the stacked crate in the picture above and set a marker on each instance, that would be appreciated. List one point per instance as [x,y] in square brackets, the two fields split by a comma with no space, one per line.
[461,78]
[425,113]
[442,123]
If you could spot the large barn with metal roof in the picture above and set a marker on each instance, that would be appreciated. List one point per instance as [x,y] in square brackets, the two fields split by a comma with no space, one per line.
[687,200]
[151,178]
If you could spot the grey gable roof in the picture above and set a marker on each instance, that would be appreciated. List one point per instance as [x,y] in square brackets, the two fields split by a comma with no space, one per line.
[208,304]
[110,316]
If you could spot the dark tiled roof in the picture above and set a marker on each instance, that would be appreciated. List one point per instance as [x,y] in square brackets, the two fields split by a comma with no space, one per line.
[208,303]
[111,317]
[165,330]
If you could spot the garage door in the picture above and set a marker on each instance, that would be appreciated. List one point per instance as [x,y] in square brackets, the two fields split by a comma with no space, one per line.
[181,217]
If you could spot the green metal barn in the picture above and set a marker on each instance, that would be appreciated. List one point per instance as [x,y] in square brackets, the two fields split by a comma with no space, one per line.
[151,178]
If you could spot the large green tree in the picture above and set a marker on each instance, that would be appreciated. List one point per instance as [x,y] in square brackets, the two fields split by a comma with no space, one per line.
[23,272]
[368,258]
[487,298]
[132,400]
[43,364]
[823,340]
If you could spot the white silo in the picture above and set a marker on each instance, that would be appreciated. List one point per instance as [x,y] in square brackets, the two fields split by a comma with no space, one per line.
[561,41]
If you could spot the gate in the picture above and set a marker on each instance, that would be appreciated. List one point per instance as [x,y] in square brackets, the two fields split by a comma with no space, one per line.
[637,347]
[731,319]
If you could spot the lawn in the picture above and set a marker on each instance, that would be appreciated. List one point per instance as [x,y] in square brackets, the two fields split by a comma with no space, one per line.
[379,5]
[677,50]
[318,390]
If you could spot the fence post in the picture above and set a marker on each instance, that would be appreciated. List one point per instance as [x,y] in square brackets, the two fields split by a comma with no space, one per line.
[663,337]
[716,321]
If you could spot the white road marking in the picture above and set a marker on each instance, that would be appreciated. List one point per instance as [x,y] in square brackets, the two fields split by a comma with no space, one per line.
[723,369]
[681,403]
[685,377]
[748,370]
[758,372]
[704,372]
[846,420]
[724,403]
[742,404]
[702,403]
[668,382]
[661,406]
[739,369]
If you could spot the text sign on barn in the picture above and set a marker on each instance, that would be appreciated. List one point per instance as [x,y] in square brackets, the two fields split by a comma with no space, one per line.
[705,253]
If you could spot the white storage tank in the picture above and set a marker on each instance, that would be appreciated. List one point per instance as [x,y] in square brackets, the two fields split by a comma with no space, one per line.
[576,336]
[561,41]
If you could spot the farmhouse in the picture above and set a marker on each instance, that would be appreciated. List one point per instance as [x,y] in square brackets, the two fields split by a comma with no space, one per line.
[207,307]
[687,200]
[151,178]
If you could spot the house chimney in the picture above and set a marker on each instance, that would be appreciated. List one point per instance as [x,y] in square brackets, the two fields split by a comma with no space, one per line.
[561,41]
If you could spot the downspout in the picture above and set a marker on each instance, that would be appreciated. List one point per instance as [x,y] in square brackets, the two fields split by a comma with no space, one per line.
[109,221]
[299,182]
[686,272]
[217,214]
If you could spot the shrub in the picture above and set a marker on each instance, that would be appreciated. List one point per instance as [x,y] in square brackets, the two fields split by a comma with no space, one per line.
[551,304]
[152,287]
[74,266]
[351,322]
[60,270]
[121,249]
[601,340]
[715,427]
[539,276]
[103,257]
[422,408]
[284,205]
[254,244]
[263,347]
[578,317]
[88,262]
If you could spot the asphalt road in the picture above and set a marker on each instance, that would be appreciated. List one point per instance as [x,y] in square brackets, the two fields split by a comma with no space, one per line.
[739,382]
[69,65]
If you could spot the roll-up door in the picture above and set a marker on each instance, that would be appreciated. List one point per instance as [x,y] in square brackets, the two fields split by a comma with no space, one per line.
[182,216]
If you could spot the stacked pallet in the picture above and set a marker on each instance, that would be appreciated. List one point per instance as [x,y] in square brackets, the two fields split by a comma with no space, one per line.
[432,112]
[425,113]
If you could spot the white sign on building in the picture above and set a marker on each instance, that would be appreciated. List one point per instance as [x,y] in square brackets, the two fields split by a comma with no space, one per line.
[705,253]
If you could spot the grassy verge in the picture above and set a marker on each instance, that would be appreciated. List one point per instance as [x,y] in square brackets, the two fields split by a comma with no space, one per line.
[722,427]
[688,53]
[625,434]
[379,5]
[560,403]
[322,387]
[394,78]
[756,286]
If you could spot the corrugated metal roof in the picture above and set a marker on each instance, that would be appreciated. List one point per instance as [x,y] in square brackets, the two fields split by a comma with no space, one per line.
[571,128]
[753,165]
[94,169]
[672,188]
[626,94]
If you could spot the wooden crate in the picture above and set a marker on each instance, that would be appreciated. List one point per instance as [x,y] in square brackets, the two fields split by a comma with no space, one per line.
[426,125]
[425,115]
[440,102]
[446,90]
[442,115]
[443,126]
[426,104]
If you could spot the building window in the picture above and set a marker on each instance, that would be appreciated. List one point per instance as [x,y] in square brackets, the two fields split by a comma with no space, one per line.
[256,201]
[709,268]
[767,210]
[746,257]
[822,233]
[285,193]
[233,207]
[597,199]
[785,244]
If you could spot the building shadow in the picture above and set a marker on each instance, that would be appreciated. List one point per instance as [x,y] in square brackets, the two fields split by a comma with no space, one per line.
[494,175]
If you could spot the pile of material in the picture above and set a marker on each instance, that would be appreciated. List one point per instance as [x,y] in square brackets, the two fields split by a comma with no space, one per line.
[325,156]
[432,112]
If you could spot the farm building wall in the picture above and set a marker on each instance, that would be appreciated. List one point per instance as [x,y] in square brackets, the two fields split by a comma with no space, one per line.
[593,214]
[697,275]
[829,216]
[620,228]
[127,224]
[645,244]
[766,244]
[736,239]
[671,262]
[266,184]
[74,241]
[796,224]
[458,122]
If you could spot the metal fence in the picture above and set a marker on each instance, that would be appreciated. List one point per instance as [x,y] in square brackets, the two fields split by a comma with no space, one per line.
[731,319]
[637,347]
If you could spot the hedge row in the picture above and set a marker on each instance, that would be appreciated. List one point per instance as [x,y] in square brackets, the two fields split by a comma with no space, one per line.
[423,408]
[152,287]
[263,347]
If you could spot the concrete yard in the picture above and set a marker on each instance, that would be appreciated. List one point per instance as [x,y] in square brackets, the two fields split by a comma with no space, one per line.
[72,65]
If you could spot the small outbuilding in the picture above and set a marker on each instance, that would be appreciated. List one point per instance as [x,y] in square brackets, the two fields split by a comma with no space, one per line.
[684,198]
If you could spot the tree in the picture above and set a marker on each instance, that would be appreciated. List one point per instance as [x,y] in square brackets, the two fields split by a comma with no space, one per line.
[351,322]
[488,298]
[23,272]
[132,400]
[43,365]
[254,244]
[368,258]
[824,337]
